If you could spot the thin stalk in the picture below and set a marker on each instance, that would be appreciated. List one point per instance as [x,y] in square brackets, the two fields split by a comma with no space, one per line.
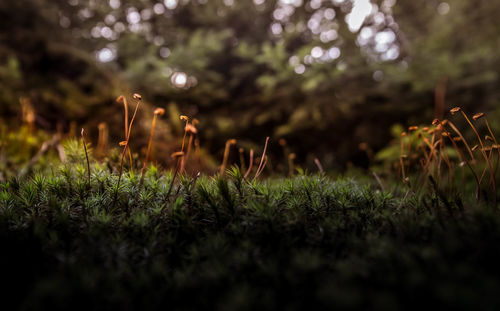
[421,147]
[242,159]
[184,118]
[125,108]
[250,164]
[262,159]
[185,132]
[448,164]
[158,111]
[483,152]
[463,140]
[409,150]
[86,154]
[193,131]
[257,174]
[486,168]
[401,156]
[320,167]
[439,162]
[229,143]
[197,154]
[179,156]
[496,142]
[464,158]
[190,142]
[124,152]
[130,158]
[427,155]
[432,150]
[291,164]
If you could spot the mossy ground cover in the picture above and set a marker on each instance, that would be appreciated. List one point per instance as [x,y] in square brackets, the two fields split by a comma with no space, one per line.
[231,244]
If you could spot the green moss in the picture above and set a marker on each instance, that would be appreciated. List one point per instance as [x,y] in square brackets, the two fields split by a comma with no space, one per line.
[231,244]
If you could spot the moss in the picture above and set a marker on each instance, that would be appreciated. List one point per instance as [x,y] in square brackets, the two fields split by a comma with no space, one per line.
[225,243]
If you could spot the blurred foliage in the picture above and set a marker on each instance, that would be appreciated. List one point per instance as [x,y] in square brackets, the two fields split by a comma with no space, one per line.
[245,67]
[18,148]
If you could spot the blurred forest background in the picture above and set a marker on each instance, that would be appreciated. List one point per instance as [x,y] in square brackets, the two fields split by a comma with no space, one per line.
[326,75]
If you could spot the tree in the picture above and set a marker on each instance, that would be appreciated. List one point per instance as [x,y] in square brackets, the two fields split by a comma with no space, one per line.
[314,72]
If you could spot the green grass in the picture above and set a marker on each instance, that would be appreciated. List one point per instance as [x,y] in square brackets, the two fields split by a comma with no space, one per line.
[226,244]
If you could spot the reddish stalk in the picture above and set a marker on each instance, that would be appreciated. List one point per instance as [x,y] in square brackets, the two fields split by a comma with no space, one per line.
[86,154]
[176,155]
[179,156]
[491,133]
[191,129]
[102,141]
[464,159]
[402,156]
[157,112]
[229,143]
[138,98]
[432,146]
[463,140]
[483,152]
[186,119]
[410,141]
[291,165]
[262,159]
[122,99]
[423,142]
[320,167]
[479,116]
[257,174]
[241,151]
[250,164]
[197,154]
